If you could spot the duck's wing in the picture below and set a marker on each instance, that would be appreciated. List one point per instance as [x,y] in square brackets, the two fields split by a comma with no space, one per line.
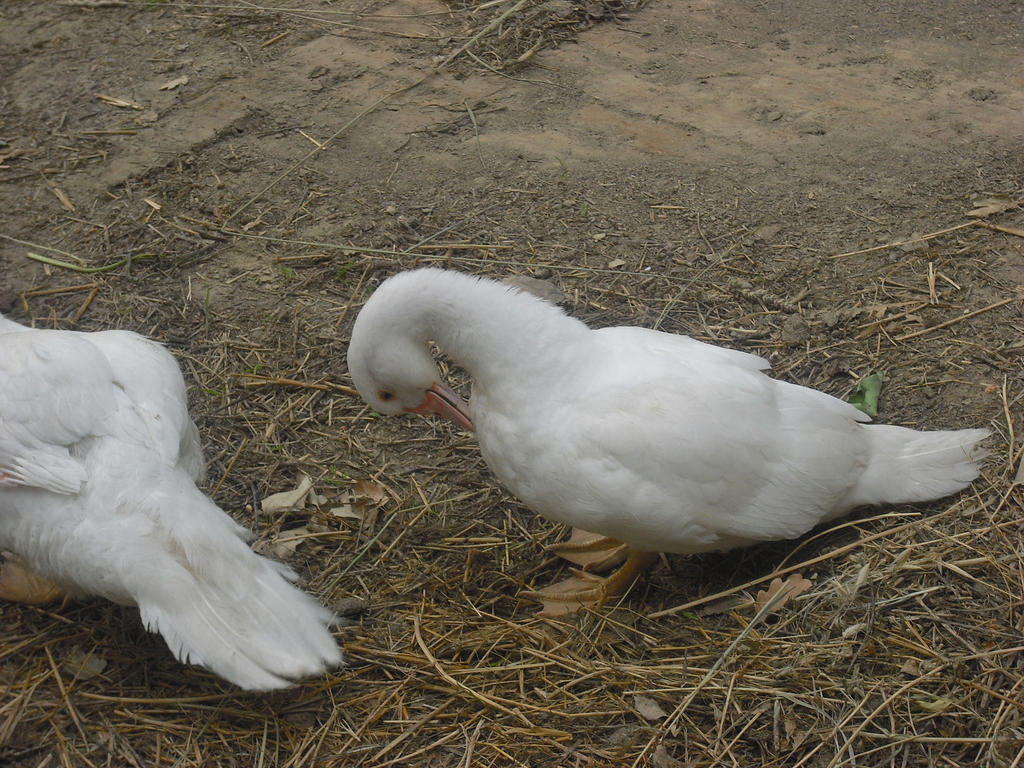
[699,433]
[667,350]
[56,389]
[154,405]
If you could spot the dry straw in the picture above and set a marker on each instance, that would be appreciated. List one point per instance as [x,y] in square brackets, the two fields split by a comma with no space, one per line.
[906,650]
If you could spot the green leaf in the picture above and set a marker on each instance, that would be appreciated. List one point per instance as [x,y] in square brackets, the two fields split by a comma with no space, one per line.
[865,397]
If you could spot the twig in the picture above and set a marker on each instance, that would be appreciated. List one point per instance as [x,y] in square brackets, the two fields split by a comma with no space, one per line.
[797,566]
[41,247]
[86,270]
[1000,228]
[476,133]
[958,319]
[452,681]
[231,464]
[898,243]
[257,380]
[85,304]
[328,141]
[481,33]
[54,291]
[671,724]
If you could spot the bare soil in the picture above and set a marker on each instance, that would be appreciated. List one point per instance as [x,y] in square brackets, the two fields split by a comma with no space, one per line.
[788,178]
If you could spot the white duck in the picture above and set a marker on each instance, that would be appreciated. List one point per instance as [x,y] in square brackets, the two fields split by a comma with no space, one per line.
[99,462]
[656,440]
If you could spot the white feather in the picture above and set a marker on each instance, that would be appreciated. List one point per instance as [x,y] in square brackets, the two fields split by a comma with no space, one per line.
[657,440]
[98,464]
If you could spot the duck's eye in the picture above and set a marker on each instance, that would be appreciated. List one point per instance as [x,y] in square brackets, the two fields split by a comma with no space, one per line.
[385,395]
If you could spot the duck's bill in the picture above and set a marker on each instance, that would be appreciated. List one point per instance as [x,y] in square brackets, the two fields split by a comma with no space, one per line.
[443,401]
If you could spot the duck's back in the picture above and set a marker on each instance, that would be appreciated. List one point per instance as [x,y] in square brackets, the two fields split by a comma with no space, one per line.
[155,398]
[671,444]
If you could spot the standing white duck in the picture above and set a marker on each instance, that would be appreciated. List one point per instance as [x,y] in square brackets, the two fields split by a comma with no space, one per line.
[99,461]
[656,440]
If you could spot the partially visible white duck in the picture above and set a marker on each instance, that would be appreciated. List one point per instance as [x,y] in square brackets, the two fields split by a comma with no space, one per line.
[99,462]
[656,440]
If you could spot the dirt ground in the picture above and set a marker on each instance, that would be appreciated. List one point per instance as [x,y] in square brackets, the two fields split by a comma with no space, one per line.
[788,178]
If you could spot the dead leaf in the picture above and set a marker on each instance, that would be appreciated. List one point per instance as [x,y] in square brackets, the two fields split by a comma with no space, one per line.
[616,263]
[854,629]
[765,233]
[362,503]
[648,708]
[1018,478]
[84,666]
[911,667]
[288,500]
[941,704]
[916,242]
[370,490]
[662,759]
[346,510]
[285,543]
[172,84]
[786,591]
[990,205]
[147,117]
[723,606]
[350,606]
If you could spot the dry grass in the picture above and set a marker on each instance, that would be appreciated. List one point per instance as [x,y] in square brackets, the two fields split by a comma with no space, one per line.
[905,651]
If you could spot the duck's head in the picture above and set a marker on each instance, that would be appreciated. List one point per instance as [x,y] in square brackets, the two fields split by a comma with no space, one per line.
[395,373]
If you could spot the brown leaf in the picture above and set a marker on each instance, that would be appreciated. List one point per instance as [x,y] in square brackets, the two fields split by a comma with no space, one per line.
[61,195]
[662,759]
[346,510]
[911,667]
[370,490]
[285,543]
[648,708]
[991,205]
[786,591]
[84,666]
[172,84]
[288,500]
[362,502]
[940,704]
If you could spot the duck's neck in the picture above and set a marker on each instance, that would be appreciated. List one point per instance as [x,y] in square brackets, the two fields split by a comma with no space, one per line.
[496,332]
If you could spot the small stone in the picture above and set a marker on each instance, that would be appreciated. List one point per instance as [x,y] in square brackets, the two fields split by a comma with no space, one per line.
[350,606]
[795,330]
[830,318]
[983,94]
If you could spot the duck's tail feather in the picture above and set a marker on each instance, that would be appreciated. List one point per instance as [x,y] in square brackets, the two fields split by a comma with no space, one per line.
[907,466]
[220,605]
